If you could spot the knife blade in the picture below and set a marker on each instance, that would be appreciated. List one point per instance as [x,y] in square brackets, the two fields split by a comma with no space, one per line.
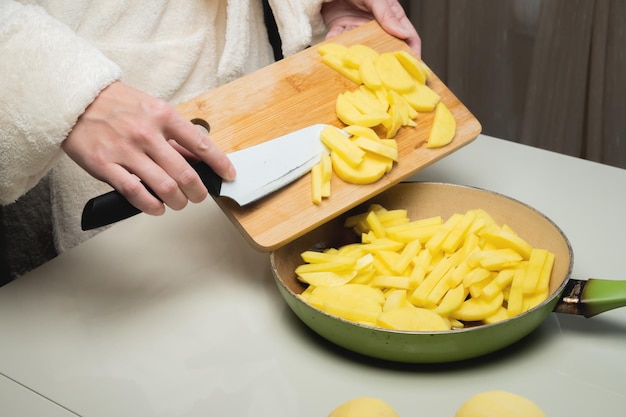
[261,170]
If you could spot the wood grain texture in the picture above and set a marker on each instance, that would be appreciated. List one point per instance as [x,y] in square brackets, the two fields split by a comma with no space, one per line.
[296,92]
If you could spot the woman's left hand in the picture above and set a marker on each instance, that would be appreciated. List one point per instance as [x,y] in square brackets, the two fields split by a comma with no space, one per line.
[342,15]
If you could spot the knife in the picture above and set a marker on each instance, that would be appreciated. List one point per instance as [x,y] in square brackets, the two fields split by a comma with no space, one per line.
[261,170]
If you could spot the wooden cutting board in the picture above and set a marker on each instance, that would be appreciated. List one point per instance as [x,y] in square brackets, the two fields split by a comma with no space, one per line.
[296,92]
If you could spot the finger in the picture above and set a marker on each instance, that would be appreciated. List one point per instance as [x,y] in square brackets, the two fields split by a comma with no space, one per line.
[141,171]
[191,138]
[133,190]
[341,25]
[415,43]
[171,177]
[183,151]
[393,19]
[345,23]
[413,39]
[335,30]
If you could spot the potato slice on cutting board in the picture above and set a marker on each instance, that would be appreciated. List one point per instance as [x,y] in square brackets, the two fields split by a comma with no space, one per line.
[443,129]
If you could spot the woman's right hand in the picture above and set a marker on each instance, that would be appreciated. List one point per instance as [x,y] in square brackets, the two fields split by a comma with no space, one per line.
[126,136]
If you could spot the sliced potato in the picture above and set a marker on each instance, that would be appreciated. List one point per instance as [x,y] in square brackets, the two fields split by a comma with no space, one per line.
[443,129]
[370,170]
[443,267]
[422,98]
[418,70]
[342,146]
[392,73]
[357,53]
[412,319]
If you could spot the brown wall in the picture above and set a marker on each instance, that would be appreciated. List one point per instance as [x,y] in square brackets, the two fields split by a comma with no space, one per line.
[547,73]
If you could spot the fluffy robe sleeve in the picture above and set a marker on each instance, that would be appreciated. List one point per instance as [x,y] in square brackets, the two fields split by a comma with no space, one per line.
[48,76]
[299,23]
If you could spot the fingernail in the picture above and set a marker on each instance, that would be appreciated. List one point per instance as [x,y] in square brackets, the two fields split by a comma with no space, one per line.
[232,173]
[204,144]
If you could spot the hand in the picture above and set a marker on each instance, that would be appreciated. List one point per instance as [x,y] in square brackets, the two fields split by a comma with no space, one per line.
[342,15]
[126,135]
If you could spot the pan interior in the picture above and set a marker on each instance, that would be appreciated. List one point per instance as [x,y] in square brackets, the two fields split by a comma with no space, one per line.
[434,199]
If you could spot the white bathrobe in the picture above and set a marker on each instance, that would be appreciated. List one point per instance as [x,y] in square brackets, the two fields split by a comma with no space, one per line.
[57,55]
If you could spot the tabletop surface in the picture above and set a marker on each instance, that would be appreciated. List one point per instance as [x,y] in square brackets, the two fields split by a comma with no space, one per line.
[17,400]
[179,316]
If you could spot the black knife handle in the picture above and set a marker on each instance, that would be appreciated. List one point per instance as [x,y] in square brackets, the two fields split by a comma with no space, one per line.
[112,207]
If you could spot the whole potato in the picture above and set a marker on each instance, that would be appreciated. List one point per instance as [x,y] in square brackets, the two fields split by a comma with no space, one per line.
[364,407]
[499,404]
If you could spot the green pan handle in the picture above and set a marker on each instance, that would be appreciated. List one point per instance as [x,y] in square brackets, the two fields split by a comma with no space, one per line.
[591,297]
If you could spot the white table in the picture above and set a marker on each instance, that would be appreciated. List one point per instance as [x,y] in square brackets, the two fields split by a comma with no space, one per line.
[178,316]
[19,401]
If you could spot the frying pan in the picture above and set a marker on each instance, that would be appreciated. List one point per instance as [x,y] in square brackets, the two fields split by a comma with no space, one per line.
[572,296]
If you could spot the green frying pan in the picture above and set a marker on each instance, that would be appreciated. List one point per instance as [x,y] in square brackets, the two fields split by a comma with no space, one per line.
[588,298]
